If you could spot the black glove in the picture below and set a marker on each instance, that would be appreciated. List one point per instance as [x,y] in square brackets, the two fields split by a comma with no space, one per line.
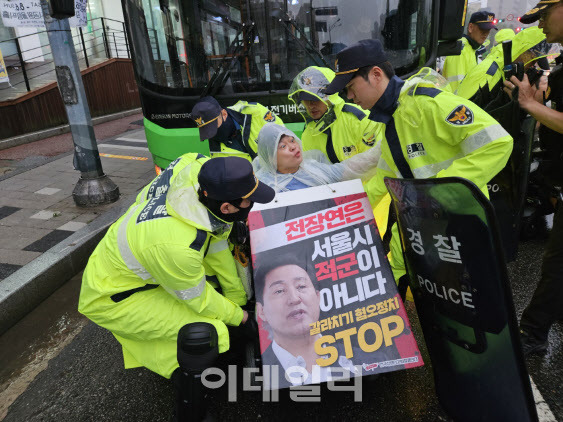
[249,329]
[239,233]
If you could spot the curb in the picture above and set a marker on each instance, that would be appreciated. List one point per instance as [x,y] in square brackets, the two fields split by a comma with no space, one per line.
[25,289]
[47,133]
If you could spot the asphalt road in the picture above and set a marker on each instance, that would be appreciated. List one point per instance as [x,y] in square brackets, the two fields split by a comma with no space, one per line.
[57,366]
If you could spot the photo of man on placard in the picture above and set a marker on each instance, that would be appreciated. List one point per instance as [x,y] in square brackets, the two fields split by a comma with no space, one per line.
[288,303]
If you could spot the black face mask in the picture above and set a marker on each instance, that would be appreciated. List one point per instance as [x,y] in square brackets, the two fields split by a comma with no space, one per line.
[240,215]
[225,131]
[214,206]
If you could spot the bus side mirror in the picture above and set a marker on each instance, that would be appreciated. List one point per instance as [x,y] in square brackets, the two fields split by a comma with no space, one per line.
[449,48]
[61,9]
[452,19]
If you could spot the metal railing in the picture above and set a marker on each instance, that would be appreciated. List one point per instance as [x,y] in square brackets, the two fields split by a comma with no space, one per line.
[153,40]
[33,67]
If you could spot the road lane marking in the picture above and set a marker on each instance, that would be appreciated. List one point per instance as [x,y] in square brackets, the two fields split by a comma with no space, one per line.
[544,412]
[124,157]
[144,141]
[123,147]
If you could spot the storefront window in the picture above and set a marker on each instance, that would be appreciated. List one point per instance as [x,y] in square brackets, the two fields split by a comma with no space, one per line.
[8,48]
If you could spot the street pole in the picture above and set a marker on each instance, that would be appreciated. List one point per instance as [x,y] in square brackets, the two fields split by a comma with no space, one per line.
[330,28]
[93,187]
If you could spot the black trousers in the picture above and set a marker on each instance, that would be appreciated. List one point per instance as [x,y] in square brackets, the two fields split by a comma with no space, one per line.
[546,305]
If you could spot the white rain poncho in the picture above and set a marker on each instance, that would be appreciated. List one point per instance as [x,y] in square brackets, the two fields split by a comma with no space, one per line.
[315,170]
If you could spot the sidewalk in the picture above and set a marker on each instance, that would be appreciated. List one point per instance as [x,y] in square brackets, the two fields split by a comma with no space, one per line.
[46,237]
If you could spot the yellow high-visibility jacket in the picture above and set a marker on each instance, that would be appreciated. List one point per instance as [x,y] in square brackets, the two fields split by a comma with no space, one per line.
[250,117]
[456,67]
[147,277]
[344,130]
[438,134]
[490,71]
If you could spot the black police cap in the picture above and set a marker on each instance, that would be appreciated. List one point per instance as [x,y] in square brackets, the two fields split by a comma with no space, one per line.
[351,59]
[230,178]
[205,114]
[483,19]
[535,13]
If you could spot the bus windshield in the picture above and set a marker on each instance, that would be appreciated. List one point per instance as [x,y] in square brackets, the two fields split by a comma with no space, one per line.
[237,47]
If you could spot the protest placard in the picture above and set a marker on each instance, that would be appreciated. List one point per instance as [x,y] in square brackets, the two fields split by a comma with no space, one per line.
[3,71]
[327,302]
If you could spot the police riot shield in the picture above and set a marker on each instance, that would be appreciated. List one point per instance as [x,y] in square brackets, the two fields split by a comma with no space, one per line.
[457,274]
[507,190]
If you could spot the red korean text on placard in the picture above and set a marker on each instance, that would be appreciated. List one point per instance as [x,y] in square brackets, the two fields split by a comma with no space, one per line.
[337,268]
[330,219]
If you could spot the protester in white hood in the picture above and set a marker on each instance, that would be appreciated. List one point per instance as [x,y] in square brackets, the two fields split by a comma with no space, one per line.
[282,164]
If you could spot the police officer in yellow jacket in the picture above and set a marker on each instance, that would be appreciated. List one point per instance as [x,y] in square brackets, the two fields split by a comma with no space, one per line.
[456,67]
[488,75]
[146,280]
[338,129]
[428,132]
[505,34]
[231,131]
[220,267]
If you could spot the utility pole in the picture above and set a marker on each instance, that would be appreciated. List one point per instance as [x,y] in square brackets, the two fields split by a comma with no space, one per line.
[330,28]
[93,187]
